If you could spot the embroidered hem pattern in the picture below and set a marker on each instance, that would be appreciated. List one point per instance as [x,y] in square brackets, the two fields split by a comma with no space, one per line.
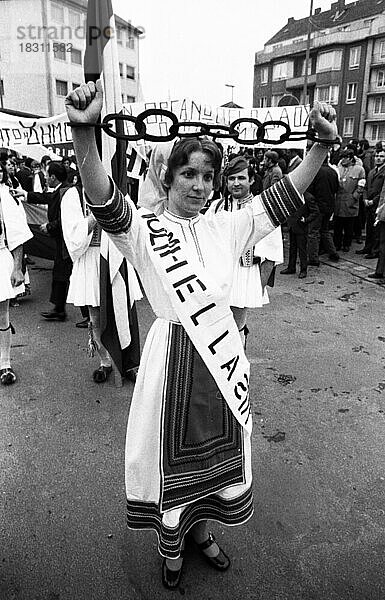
[142,515]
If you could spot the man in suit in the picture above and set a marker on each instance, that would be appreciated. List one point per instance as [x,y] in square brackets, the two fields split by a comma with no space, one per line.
[62,267]
[371,195]
[323,188]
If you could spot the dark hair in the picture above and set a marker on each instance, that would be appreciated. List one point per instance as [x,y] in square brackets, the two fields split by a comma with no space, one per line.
[364,144]
[57,169]
[348,153]
[182,151]
[44,159]
[251,172]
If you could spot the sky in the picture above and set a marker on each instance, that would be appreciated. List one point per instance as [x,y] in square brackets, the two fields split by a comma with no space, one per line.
[192,48]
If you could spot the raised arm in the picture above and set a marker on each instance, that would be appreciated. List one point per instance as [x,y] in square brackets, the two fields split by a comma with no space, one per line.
[323,119]
[84,105]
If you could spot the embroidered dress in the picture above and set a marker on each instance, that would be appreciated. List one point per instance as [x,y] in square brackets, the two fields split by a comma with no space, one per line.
[14,231]
[246,291]
[187,457]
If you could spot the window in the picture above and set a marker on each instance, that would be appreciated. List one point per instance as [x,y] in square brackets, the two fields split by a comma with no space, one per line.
[308,68]
[327,93]
[75,85]
[329,61]
[74,18]
[380,81]
[382,50]
[275,99]
[378,132]
[348,127]
[354,59]
[262,102]
[280,71]
[351,93]
[264,75]
[121,69]
[130,98]
[57,13]
[61,87]
[131,41]
[59,52]
[130,72]
[76,56]
[119,35]
[379,105]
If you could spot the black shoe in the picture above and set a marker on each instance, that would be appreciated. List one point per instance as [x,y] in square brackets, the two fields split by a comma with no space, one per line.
[221,562]
[375,255]
[302,275]
[314,263]
[7,376]
[53,315]
[83,324]
[334,257]
[375,276]
[287,272]
[170,578]
[101,374]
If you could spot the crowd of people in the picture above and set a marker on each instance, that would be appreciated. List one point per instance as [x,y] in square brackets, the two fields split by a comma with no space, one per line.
[343,204]
[205,238]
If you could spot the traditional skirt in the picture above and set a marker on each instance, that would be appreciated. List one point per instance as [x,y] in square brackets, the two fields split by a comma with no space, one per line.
[6,268]
[84,283]
[246,290]
[187,458]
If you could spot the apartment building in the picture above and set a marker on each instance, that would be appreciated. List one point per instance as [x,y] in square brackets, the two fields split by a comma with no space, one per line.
[42,44]
[346,65]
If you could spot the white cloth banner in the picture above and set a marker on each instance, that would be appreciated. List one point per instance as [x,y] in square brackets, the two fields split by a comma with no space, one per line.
[187,109]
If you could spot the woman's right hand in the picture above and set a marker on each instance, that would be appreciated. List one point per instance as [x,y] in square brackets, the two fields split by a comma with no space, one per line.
[84,104]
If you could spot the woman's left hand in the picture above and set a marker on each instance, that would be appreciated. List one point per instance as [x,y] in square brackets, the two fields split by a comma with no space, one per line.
[323,119]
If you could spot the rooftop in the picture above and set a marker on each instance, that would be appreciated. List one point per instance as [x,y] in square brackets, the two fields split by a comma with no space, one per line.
[340,13]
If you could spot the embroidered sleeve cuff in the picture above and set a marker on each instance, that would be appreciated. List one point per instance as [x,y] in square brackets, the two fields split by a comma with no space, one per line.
[281,200]
[115,215]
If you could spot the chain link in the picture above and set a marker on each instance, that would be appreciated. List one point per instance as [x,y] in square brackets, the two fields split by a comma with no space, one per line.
[213,130]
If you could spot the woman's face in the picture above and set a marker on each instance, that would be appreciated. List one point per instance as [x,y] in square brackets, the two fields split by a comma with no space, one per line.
[192,184]
[10,167]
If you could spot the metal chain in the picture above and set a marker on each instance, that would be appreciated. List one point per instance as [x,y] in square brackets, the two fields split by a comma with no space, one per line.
[217,132]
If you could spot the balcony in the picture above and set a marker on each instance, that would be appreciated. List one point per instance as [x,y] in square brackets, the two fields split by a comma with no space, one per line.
[374,117]
[374,89]
[295,82]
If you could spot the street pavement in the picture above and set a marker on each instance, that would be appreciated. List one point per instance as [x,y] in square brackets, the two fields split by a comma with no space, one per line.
[318,393]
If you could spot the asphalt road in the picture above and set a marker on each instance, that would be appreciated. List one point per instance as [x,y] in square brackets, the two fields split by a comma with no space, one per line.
[318,393]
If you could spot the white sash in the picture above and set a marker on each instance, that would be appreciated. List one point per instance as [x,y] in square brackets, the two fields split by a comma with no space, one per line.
[204,315]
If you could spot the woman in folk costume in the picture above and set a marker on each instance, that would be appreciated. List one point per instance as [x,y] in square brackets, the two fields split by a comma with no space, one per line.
[14,232]
[188,454]
[255,268]
[82,236]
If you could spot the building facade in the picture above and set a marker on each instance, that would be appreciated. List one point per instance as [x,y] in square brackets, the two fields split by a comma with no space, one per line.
[345,46]
[42,44]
